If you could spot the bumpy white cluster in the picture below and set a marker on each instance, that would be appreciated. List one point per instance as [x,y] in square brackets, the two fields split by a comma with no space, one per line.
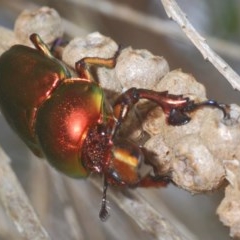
[44,21]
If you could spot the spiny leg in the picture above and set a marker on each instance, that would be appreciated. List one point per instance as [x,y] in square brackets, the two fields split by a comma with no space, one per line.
[166,101]
[175,107]
[82,66]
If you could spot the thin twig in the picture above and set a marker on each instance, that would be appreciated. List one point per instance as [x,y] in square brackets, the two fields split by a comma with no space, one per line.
[16,204]
[173,11]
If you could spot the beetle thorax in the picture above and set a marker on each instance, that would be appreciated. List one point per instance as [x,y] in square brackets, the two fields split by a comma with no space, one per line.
[96,149]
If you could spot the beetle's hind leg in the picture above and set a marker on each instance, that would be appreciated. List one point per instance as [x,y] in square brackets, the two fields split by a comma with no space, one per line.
[83,66]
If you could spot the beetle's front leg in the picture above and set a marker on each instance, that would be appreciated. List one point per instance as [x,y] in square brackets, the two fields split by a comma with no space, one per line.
[172,105]
[175,107]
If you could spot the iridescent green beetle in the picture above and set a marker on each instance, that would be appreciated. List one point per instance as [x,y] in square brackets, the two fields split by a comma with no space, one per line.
[65,118]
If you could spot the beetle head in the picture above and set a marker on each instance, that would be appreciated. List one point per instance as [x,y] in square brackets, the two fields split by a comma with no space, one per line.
[120,160]
[95,152]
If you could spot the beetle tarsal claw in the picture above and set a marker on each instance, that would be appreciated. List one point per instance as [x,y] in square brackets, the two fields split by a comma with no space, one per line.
[210,103]
[178,116]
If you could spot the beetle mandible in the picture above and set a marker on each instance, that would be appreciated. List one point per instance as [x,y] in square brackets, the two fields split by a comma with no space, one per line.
[66,119]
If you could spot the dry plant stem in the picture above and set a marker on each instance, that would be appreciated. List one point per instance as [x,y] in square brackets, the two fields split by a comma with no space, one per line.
[70,214]
[148,219]
[173,11]
[16,204]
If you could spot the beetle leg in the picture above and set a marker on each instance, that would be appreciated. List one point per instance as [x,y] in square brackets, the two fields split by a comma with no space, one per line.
[82,66]
[154,181]
[175,107]
[103,214]
[167,102]
[57,47]
[40,45]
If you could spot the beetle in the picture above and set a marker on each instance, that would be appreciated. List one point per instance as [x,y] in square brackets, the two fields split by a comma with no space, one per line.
[67,120]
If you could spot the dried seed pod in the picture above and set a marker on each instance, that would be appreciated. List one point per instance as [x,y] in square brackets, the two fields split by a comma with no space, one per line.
[229,209]
[178,82]
[226,141]
[140,69]
[194,167]
[191,163]
[45,21]
[160,154]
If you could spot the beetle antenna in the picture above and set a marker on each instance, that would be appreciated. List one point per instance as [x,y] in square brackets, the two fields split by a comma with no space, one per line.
[103,214]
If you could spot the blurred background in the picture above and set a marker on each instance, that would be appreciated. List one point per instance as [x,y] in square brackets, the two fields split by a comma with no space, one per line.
[141,24]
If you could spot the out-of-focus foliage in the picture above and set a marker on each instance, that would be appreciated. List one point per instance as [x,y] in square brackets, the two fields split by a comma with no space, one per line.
[225,17]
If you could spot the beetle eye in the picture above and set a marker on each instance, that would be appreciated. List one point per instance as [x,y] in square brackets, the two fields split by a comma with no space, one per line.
[127,162]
